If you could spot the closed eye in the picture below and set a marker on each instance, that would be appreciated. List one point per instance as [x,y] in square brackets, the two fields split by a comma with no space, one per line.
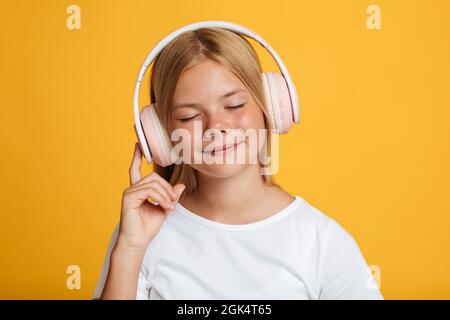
[236,107]
[187,119]
[231,107]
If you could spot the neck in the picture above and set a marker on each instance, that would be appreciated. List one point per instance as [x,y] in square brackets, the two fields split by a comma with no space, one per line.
[226,199]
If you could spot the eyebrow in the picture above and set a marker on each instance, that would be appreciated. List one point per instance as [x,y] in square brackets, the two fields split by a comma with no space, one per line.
[194,105]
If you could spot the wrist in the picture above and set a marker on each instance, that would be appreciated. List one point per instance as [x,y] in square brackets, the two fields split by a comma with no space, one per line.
[123,245]
[123,250]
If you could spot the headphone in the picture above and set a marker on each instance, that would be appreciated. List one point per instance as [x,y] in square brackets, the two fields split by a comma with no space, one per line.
[279,91]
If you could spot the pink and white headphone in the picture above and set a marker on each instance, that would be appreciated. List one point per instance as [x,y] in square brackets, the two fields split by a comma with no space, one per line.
[279,90]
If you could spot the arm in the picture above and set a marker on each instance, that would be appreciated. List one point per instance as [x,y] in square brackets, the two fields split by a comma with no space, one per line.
[122,279]
[140,221]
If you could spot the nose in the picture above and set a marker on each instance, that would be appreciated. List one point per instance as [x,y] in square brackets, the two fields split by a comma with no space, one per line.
[216,124]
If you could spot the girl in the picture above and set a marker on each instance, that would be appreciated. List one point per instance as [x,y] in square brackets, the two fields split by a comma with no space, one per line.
[222,230]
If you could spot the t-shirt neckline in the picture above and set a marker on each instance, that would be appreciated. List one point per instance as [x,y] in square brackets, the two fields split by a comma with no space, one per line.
[238,227]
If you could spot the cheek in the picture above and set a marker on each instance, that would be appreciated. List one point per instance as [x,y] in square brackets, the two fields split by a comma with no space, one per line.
[190,146]
[252,118]
[182,136]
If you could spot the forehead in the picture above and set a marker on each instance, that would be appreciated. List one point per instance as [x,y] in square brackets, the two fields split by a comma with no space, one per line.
[205,81]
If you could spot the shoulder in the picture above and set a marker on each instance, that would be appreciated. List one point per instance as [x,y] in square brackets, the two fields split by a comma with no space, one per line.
[323,234]
[328,234]
[310,218]
[342,270]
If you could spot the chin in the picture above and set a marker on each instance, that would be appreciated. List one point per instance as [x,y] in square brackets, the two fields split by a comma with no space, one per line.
[221,170]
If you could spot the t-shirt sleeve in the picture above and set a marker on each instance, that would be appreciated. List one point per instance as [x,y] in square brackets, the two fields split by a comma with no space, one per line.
[105,268]
[142,289]
[344,273]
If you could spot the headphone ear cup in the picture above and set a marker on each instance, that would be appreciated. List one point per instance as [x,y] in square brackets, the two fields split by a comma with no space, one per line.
[278,101]
[156,136]
[143,146]
[268,100]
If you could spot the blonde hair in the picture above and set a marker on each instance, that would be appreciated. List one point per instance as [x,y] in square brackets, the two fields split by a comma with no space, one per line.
[188,49]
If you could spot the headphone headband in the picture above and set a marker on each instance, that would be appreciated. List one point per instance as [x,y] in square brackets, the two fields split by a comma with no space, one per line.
[211,23]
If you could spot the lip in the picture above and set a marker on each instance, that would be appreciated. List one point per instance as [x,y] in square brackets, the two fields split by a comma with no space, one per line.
[225,149]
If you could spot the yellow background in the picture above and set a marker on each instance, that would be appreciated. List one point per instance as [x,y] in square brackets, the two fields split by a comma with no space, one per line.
[371,151]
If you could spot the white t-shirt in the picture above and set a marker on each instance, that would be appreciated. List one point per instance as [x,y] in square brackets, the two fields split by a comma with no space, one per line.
[297,253]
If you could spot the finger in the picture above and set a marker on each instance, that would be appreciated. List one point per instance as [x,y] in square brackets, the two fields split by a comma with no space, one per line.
[145,193]
[153,184]
[135,167]
[179,189]
[153,176]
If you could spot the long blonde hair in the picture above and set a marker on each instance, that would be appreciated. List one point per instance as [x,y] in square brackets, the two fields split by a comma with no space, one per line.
[188,49]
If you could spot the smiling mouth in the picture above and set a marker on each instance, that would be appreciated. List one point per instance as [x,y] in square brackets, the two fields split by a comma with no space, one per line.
[225,149]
